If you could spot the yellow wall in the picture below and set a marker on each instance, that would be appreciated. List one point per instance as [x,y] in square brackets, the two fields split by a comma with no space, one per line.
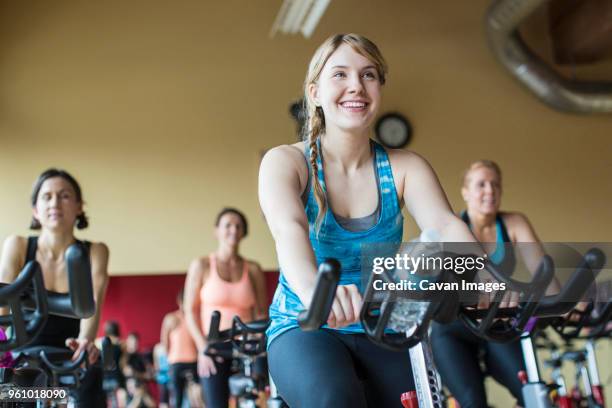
[162,110]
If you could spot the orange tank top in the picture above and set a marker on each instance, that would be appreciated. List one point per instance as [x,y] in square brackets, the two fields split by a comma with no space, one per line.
[229,298]
[182,348]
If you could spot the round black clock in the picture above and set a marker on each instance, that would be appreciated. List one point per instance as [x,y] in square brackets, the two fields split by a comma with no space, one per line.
[393,130]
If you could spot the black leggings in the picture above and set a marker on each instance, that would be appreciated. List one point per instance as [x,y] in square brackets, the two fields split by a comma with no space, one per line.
[456,354]
[331,369]
[178,380]
[91,393]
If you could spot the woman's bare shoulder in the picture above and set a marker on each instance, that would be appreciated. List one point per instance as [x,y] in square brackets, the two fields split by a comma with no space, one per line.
[15,244]
[287,163]
[514,218]
[292,154]
[516,222]
[254,267]
[406,159]
[13,255]
[200,265]
[99,249]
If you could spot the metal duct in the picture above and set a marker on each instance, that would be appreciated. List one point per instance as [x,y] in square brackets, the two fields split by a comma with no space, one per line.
[502,21]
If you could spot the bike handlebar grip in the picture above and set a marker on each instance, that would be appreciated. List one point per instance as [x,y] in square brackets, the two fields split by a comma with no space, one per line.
[108,360]
[325,290]
[213,330]
[80,285]
[577,285]
[63,368]
[254,327]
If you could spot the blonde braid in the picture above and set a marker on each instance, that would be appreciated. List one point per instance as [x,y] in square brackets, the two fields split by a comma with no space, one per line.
[315,127]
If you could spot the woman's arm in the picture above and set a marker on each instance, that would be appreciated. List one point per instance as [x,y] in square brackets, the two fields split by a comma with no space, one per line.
[11,261]
[259,284]
[522,232]
[168,324]
[280,189]
[158,350]
[191,301]
[428,205]
[191,304]
[426,201]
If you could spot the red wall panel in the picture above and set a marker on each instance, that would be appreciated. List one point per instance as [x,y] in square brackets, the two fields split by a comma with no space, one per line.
[139,303]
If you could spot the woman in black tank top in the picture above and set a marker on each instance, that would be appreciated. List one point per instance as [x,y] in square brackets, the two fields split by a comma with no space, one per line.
[456,350]
[57,208]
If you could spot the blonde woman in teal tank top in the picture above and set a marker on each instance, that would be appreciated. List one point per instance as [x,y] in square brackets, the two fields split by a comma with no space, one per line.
[347,192]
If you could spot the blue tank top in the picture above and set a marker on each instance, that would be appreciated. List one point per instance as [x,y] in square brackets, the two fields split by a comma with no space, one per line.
[163,375]
[333,241]
[504,259]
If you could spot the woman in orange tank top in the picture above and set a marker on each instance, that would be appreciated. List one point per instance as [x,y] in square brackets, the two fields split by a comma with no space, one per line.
[226,282]
[181,352]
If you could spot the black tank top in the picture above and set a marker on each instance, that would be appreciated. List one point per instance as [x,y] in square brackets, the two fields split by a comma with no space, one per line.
[58,328]
[508,263]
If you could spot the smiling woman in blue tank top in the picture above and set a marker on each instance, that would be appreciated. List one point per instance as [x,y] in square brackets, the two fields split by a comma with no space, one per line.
[324,197]
[456,350]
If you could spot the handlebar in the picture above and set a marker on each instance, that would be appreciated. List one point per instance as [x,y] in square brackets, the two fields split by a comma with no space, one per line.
[65,367]
[576,286]
[247,339]
[27,293]
[323,296]
[535,306]
[597,326]
[485,323]
[25,325]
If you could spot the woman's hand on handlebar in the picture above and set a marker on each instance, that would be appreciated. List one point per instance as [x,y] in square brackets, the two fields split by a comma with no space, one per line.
[346,306]
[206,366]
[510,300]
[80,345]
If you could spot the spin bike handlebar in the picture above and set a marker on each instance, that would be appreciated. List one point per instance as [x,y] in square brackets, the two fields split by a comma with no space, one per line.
[323,296]
[382,308]
[30,303]
[66,367]
[25,325]
[308,319]
[535,305]
[247,339]
[597,325]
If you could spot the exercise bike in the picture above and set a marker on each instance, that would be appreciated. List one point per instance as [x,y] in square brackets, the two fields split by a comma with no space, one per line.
[248,344]
[50,369]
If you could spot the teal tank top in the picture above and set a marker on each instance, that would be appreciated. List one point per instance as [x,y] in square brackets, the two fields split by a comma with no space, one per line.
[163,375]
[334,241]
